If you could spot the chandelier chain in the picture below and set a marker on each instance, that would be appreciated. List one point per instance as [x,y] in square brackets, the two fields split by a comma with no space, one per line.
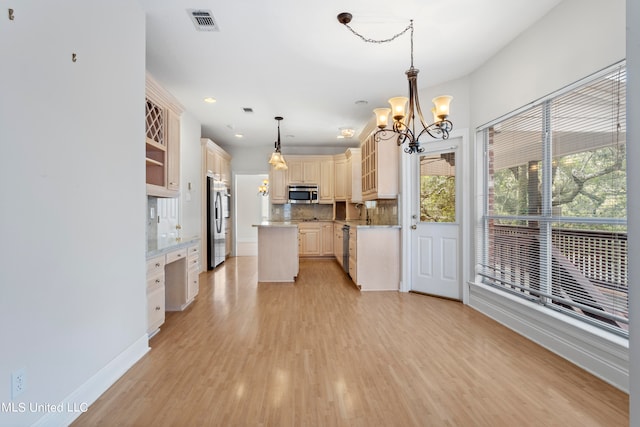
[390,39]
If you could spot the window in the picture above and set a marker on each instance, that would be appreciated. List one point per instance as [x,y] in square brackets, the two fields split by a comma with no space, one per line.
[554,227]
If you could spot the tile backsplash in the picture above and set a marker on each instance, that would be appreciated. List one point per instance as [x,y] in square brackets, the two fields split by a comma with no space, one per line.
[379,212]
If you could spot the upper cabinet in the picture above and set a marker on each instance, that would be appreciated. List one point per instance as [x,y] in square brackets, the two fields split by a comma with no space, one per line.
[326,180]
[379,168]
[217,161]
[162,142]
[303,170]
[340,177]
[353,176]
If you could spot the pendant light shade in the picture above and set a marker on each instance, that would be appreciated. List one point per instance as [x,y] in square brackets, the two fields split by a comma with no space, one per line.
[277,159]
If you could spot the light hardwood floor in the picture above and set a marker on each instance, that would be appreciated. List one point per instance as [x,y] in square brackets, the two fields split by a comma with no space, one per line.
[320,353]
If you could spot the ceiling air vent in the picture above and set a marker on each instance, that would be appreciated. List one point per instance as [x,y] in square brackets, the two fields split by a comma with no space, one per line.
[203,20]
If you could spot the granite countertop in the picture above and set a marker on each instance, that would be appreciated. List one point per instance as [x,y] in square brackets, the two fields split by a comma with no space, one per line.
[161,247]
[351,223]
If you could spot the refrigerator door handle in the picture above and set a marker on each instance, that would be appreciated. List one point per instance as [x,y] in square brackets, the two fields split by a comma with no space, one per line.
[218,213]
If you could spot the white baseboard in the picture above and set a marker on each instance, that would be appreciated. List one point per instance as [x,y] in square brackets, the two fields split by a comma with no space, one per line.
[78,401]
[599,352]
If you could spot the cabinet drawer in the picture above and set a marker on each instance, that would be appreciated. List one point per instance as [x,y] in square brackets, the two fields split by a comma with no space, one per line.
[193,250]
[155,281]
[155,266]
[176,255]
[155,309]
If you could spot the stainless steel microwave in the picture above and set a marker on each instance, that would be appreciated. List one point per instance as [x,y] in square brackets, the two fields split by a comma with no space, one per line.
[303,194]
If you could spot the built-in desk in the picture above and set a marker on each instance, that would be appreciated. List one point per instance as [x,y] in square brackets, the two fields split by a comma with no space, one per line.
[173,269]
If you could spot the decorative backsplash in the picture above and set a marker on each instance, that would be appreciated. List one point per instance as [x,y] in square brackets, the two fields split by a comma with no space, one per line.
[379,212]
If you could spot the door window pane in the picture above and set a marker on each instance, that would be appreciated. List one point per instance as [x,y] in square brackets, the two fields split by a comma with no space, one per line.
[438,187]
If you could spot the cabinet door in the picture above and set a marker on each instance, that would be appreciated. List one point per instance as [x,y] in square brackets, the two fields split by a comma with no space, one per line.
[326,181]
[311,171]
[295,171]
[278,186]
[309,241]
[173,151]
[327,239]
[340,189]
[155,309]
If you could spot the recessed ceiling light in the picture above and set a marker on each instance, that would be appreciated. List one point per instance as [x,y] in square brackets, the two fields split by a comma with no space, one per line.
[238,135]
[362,102]
[209,100]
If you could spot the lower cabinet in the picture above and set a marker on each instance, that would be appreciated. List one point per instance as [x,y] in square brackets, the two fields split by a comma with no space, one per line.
[374,258]
[337,243]
[172,283]
[155,294]
[315,239]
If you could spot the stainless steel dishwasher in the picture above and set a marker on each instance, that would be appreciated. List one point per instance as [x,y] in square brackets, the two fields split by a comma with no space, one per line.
[345,248]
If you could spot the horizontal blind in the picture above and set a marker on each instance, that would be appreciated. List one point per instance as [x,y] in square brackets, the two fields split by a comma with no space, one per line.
[573,257]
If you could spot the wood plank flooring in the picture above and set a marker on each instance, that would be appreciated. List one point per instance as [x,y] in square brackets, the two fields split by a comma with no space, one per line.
[320,353]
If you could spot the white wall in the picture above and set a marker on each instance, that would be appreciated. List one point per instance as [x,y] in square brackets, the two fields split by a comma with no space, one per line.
[249,206]
[633,200]
[72,270]
[576,39]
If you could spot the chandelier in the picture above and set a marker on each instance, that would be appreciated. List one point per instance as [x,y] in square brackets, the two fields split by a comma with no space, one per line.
[277,159]
[264,188]
[405,120]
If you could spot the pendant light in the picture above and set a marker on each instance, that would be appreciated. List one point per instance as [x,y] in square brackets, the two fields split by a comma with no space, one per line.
[277,159]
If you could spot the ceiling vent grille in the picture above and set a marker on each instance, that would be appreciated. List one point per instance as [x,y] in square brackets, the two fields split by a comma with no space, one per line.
[203,20]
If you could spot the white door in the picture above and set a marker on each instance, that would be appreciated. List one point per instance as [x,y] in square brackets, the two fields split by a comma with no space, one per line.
[435,230]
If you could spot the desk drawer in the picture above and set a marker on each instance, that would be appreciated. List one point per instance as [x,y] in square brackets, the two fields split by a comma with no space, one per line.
[176,255]
[155,266]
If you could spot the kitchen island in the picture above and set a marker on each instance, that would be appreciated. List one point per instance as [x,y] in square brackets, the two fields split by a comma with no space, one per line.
[277,251]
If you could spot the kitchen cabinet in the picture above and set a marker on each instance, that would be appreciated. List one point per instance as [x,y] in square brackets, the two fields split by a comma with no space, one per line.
[353,175]
[379,168]
[374,257]
[326,181]
[303,170]
[162,142]
[172,281]
[193,272]
[338,239]
[326,234]
[217,161]
[155,294]
[309,241]
[278,186]
[340,177]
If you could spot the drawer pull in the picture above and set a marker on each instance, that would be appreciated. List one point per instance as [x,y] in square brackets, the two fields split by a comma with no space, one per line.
[157,280]
[157,308]
[157,264]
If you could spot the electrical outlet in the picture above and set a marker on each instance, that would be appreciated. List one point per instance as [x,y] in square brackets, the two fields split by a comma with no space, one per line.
[18,382]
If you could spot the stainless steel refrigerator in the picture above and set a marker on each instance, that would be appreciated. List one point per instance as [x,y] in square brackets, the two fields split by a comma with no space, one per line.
[217,212]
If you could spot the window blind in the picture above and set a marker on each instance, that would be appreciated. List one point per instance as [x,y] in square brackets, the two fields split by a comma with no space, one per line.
[553,228]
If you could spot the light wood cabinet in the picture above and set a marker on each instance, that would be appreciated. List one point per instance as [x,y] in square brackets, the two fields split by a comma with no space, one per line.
[162,142]
[374,258]
[217,161]
[338,240]
[155,294]
[326,234]
[340,177]
[278,186]
[303,170]
[193,273]
[353,175]
[309,241]
[379,169]
[326,181]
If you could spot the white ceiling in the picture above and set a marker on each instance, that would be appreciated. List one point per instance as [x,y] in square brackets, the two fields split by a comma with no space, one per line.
[292,58]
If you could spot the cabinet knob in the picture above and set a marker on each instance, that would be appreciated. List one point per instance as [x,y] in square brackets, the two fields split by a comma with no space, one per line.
[157,308]
[157,280]
[157,264]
